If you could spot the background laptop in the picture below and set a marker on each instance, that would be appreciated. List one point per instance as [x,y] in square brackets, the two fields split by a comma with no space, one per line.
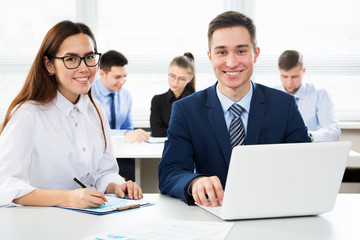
[279,180]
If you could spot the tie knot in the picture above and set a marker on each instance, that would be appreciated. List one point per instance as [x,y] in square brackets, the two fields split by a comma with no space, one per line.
[112,94]
[236,110]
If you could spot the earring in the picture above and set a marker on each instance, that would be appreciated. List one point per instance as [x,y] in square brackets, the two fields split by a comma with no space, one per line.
[51,74]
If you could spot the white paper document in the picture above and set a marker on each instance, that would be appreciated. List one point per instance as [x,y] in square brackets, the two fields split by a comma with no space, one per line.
[156,139]
[170,229]
[113,204]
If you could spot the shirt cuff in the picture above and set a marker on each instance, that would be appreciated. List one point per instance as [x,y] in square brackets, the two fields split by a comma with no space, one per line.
[12,188]
[105,181]
[189,184]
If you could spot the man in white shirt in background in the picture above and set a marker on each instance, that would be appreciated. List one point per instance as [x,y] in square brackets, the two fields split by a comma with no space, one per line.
[315,105]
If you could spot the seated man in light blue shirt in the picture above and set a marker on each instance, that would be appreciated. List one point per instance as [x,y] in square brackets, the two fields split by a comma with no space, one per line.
[315,105]
[109,90]
[117,102]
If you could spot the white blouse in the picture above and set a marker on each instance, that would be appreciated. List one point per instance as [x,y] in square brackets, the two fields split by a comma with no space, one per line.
[45,147]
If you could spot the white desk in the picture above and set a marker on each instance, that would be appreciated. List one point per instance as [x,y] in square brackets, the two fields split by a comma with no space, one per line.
[54,223]
[148,155]
[147,158]
[124,149]
[353,160]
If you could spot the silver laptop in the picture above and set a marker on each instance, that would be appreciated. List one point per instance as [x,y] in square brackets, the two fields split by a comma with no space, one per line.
[280,180]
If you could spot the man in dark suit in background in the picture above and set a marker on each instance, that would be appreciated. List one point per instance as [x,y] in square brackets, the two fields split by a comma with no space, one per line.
[204,125]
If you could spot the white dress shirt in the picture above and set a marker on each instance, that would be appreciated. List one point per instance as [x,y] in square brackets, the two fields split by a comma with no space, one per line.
[317,110]
[46,146]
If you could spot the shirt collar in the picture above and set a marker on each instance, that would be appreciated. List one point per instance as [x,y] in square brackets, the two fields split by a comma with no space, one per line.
[300,93]
[65,106]
[171,97]
[226,102]
[103,90]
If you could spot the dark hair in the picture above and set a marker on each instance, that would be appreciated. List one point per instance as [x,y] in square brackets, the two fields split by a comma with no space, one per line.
[39,86]
[290,59]
[112,58]
[232,19]
[187,61]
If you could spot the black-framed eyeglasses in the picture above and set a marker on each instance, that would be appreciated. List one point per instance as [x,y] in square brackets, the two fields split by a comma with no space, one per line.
[72,62]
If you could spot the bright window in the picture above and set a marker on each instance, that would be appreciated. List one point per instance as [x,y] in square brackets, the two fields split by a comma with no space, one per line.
[23,25]
[152,33]
[327,32]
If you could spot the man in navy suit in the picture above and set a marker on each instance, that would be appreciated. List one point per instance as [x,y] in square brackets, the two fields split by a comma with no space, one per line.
[197,153]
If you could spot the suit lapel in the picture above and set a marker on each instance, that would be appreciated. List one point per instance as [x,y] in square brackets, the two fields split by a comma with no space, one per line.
[217,121]
[256,116]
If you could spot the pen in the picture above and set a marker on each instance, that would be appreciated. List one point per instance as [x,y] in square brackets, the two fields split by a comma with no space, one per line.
[78,182]
[83,186]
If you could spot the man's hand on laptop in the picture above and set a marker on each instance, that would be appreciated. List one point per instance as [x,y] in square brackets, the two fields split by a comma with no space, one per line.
[203,188]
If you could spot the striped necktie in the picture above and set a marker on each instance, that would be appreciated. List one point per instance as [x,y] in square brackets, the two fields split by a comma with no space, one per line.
[112,121]
[236,130]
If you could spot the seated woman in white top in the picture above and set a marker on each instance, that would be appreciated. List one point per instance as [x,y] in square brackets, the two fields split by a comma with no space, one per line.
[54,131]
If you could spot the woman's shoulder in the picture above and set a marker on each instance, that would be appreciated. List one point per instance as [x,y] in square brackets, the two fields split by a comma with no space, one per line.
[27,111]
[158,97]
[31,106]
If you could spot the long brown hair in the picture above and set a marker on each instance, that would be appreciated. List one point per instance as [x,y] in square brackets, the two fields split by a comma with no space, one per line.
[41,87]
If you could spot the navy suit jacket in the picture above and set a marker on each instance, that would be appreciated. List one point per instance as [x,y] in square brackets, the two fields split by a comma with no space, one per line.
[198,139]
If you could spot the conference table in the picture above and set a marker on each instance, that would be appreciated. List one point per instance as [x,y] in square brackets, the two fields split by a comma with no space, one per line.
[353,160]
[56,223]
[147,158]
[148,155]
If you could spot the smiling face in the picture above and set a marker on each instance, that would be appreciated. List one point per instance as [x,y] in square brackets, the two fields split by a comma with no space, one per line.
[114,79]
[72,82]
[232,56]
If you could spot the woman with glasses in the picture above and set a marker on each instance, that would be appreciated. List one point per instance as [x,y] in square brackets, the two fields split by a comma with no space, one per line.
[181,80]
[54,132]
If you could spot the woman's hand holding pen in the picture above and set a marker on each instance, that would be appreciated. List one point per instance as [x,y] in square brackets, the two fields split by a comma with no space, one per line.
[130,188]
[85,198]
